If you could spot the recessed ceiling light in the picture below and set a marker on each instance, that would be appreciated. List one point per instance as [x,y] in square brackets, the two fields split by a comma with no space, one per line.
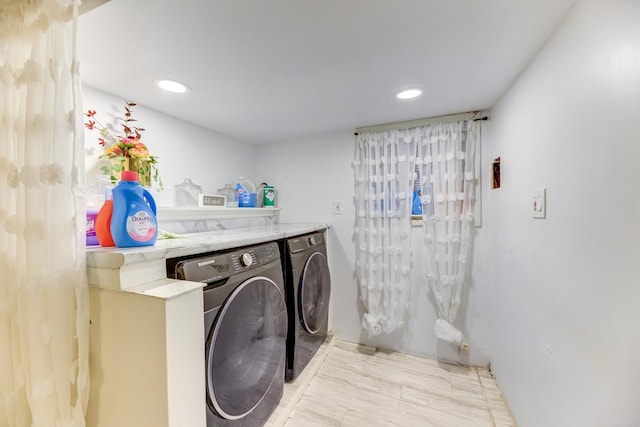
[172,86]
[409,93]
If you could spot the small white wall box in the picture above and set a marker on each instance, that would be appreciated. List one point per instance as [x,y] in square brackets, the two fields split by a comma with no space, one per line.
[216,201]
[540,203]
[495,173]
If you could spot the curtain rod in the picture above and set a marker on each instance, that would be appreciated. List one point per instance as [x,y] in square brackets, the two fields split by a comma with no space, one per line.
[422,122]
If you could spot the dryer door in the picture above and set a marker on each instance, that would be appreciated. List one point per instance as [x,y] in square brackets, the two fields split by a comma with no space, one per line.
[246,347]
[314,292]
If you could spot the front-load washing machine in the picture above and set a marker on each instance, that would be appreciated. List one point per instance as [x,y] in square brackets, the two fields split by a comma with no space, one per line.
[245,320]
[308,288]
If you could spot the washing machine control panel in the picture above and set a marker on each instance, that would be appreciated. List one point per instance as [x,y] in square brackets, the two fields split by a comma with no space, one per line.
[253,257]
[219,266]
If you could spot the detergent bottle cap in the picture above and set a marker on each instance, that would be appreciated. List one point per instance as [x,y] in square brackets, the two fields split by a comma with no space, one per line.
[129,176]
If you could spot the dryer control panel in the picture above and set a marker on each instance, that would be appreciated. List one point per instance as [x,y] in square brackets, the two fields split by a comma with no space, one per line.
[302,243]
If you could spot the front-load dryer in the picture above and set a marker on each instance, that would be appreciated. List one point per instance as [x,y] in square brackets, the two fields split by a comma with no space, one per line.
[308,288]
[245,319]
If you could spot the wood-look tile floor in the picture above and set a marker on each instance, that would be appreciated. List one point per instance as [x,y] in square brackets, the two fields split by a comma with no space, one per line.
[352,386]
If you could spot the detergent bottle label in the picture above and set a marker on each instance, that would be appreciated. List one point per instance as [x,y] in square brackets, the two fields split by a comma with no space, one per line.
[91,223]
[92,238]
[140,226]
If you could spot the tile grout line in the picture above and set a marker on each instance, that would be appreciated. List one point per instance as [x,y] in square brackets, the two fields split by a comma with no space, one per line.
[346,412]
[486,399]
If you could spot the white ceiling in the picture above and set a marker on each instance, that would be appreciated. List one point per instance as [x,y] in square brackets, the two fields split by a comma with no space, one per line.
[278,70]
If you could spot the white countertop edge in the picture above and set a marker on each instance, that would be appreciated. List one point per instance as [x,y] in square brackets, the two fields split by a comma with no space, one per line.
[165,288]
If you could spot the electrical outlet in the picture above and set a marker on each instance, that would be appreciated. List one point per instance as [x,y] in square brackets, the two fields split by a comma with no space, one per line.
[337,207]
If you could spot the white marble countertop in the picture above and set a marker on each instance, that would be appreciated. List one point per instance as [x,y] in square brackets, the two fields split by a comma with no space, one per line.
[143,269]
[196,243]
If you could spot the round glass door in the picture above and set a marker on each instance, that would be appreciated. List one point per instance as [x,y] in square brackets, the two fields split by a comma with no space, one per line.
[246,347]
[315,289]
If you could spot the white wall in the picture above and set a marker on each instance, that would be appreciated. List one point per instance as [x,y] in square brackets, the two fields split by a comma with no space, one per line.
[184,150]
[557,301]
[309,175]
[566,316]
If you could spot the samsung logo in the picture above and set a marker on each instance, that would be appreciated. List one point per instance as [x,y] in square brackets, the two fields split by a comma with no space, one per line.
[208,262]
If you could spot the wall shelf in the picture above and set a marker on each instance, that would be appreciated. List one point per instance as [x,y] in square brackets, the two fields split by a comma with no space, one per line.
[199,214]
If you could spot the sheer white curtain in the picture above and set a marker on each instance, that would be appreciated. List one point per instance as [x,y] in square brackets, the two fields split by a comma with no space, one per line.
[384,174]
[446,165]
[44,312]
[441,157]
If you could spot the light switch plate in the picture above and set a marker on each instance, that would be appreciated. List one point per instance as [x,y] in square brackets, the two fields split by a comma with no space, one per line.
[337,207]
[540,203]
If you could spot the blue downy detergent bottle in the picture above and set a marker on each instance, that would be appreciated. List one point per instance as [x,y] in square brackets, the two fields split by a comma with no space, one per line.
[133,222]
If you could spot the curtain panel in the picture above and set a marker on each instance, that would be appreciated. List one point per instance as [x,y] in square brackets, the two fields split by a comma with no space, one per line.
[446,168]
[44,311]
[384,174]
[438,160]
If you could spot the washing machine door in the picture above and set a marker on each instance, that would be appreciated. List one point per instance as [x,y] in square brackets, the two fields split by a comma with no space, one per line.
[246,347]
[314,292]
